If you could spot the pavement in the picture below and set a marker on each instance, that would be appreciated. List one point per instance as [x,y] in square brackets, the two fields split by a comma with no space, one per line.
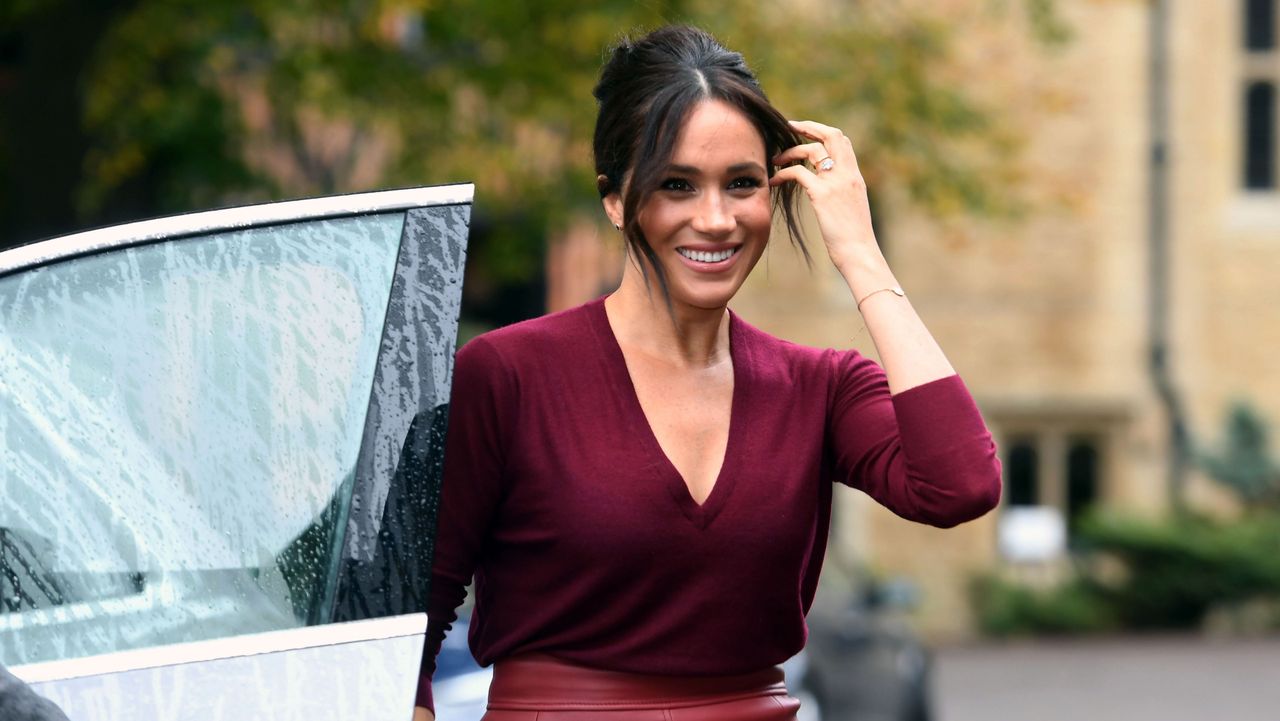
[1166,678]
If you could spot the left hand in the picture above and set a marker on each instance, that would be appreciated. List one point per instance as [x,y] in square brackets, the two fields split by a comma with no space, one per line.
[839,195]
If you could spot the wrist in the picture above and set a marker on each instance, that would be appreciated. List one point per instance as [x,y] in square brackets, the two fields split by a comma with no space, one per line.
[894,290]
[866,273]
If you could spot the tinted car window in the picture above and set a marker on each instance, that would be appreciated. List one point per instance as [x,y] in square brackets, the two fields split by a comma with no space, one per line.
[179,431]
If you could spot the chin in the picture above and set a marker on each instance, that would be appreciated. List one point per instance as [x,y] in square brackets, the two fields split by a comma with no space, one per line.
[703,299]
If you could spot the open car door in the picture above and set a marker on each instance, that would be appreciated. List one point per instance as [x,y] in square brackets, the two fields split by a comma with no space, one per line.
[221,437]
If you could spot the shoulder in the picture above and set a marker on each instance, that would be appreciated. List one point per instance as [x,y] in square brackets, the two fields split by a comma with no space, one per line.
[769,351]
[758,341]
[512,347]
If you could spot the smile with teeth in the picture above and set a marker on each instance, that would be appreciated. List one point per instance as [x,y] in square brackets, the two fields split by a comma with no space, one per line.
[703,256]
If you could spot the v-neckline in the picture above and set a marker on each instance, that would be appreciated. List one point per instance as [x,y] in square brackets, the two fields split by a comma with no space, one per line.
[700,514]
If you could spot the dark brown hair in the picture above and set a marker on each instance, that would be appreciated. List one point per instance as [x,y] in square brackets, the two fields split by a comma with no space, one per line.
[646,90]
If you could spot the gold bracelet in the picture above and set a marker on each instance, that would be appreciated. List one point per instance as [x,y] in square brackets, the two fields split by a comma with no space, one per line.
[896,291]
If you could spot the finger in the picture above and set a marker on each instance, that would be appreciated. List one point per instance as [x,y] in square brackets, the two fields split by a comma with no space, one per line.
[838,145]
[798,174]
[811,152]
[817,131]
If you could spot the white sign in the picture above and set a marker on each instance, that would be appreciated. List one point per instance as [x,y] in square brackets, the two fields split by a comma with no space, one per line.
[1032,533]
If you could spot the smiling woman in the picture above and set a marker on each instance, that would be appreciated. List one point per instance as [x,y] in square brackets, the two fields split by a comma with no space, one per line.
[669,80]
[708,222]
[641,486]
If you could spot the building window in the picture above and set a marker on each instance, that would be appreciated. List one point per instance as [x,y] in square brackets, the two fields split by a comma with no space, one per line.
[1258,101]
[1259,134]
[1082,481]
[1022,473]
[1056,465]
[1259,25]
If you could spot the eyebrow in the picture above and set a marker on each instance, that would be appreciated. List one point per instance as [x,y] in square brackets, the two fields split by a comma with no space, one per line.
[735,168]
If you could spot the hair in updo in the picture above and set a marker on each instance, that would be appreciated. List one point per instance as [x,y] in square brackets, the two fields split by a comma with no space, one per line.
[646,90]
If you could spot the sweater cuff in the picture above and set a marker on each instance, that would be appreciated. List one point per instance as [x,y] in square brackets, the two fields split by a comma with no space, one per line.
[424,697]
[950,452]
[943,404]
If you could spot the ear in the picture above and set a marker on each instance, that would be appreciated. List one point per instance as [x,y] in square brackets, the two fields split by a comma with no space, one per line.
[613,208]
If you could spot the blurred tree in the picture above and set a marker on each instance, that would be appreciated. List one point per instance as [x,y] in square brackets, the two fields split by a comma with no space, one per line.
[1243,462]
[191,103]
[44,49]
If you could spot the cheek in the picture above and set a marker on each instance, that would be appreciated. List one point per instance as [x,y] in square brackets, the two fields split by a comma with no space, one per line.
[657,219]
[758,213]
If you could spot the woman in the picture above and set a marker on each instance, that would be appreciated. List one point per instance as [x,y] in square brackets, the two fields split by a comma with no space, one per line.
[642,485]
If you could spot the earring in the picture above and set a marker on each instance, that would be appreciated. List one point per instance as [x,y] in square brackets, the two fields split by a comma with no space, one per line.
[617,226]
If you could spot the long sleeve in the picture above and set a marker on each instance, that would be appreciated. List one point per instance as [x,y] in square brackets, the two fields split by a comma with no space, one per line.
[925,453]
[471,489]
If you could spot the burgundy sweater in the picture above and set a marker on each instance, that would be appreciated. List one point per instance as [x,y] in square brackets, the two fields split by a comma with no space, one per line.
[584,540]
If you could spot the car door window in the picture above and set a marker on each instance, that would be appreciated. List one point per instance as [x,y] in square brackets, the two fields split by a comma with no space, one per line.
[179,429]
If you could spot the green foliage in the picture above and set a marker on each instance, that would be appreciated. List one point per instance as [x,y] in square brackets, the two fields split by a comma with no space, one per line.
[1171,574]
[13,11]
[881,72]
[1005,608]
[1244,462]
[1047,25]
[153,106]
[1179,569]
[210,101]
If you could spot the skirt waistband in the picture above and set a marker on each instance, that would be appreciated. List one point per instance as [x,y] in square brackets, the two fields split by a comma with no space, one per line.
[538,682]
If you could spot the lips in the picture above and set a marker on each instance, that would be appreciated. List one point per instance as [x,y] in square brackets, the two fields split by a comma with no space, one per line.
[708,256]
[709,259]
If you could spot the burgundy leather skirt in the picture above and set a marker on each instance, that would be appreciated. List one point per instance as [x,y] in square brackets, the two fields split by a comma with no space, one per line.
[537,687]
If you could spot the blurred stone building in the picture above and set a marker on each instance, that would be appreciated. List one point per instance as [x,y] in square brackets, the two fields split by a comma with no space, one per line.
[1049,318]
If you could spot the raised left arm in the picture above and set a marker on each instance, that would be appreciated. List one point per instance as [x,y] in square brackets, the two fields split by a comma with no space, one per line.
[908,352]
[921,448]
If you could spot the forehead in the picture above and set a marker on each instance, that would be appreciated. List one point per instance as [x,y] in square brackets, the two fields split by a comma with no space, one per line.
[716,133]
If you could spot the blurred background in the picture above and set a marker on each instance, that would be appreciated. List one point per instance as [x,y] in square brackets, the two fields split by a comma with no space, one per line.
[1080,196]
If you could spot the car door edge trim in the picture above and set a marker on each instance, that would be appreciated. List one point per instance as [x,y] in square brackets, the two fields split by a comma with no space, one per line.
[267,642]
[239,217]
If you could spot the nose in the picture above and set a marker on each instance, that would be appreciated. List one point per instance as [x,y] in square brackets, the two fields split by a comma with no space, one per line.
[714,215]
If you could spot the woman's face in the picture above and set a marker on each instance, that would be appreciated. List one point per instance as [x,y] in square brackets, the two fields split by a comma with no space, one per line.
[709,220]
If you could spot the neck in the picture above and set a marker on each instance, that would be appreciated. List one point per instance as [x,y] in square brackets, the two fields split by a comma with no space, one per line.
[681,335]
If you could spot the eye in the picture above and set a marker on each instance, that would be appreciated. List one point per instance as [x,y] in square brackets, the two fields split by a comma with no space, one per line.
[676,184]
[746,182]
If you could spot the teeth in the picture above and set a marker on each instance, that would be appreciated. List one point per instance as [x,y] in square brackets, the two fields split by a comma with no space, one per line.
[705,257]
